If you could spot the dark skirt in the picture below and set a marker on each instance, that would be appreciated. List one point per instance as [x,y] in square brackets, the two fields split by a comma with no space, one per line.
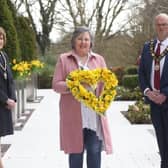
[6,122]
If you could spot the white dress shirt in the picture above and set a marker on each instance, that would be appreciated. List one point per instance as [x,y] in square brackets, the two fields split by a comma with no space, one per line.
[163,46]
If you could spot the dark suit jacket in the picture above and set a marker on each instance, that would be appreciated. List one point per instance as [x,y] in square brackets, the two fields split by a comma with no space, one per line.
[7,90]
[145,68]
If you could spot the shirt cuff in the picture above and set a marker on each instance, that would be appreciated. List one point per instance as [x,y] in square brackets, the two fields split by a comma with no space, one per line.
[145,91]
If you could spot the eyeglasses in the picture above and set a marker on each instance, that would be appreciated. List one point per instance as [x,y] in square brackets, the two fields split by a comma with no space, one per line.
[163,24]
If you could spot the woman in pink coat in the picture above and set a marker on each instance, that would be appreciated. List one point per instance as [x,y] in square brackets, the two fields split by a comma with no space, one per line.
[80,127]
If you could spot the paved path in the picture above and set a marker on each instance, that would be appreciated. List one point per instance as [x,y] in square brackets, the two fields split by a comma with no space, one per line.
[37,145]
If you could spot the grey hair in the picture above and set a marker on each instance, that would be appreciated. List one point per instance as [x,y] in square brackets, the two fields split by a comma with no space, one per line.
[165,15]
[77,32]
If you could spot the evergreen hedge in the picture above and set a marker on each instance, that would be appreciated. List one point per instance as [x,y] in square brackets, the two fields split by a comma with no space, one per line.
[6,21]
[130,81]
[27,39]
[130,70]
[26,36]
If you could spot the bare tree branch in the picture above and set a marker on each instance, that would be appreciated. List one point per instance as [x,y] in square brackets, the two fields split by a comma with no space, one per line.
[46,17]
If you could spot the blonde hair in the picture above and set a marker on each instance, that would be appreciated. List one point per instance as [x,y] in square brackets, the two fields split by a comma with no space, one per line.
[3,33]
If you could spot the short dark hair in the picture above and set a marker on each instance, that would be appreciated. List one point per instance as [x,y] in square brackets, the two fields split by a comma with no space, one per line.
[77,32]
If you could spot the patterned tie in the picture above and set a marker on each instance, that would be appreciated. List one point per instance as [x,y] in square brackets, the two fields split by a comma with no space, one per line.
[157,69]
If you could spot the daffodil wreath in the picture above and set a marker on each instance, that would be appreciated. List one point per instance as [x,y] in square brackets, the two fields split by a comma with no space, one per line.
[99,104]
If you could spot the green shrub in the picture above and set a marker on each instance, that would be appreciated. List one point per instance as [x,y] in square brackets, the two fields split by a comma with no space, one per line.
[130,81]
[131,70]
[139,113]
[45,77]
[119,72]
[12,47]
[27,39]
[128,94]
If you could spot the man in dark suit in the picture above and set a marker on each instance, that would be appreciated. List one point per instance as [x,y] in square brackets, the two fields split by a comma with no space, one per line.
[153,78]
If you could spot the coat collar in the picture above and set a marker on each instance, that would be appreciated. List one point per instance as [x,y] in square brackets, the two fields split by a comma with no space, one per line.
[73,54]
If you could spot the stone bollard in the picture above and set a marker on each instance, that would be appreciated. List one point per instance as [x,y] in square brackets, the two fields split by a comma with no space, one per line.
[31,88]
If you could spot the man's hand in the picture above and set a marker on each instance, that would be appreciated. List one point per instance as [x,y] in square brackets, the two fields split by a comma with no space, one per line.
[156,96]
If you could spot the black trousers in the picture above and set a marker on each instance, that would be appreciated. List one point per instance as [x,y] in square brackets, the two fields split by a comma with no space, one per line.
[159,116]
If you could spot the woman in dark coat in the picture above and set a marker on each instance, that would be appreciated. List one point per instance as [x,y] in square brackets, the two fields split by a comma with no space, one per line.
[7,92]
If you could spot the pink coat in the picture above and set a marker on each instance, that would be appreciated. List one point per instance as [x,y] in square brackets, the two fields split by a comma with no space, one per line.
[71,138]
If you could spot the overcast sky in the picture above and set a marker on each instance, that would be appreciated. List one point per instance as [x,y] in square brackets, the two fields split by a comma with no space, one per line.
[55,34]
